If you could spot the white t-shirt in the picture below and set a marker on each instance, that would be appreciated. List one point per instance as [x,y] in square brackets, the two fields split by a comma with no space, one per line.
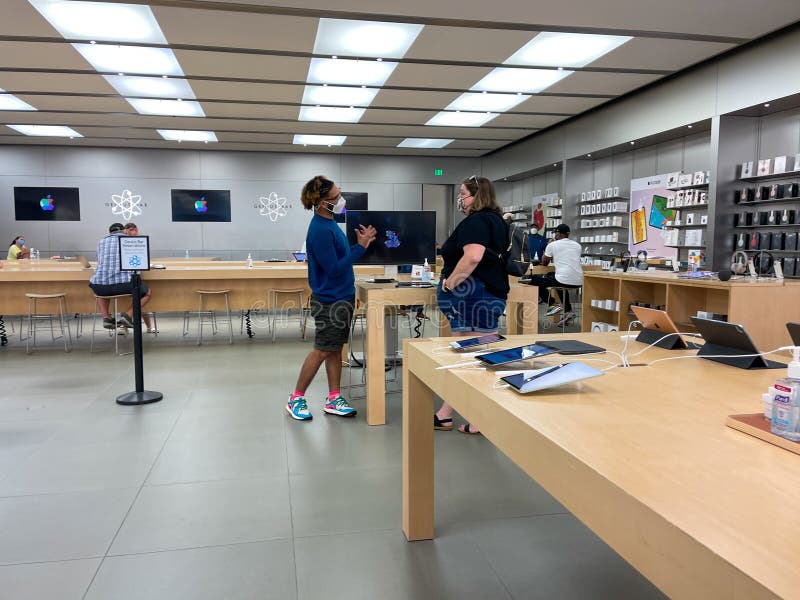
[566,257]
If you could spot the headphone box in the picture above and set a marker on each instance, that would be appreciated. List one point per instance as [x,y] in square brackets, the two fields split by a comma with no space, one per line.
[790,190]
[762,192]
[787,217]
[776,190]
[739,241]
[790,241]
[776,242]
[763,215]
[746,169]
[764,240]
[755,240]
[747,195]
[789,266]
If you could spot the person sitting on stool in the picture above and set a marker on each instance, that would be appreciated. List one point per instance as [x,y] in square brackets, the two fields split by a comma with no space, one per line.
[565,254]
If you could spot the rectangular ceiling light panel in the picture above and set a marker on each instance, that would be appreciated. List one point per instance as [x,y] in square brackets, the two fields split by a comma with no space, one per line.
[460,119]
[172,108]
[10,102]
[110,58]
[549,49]
[485,101]
[179,135]
[337,114]
[159,87]
[333,95]
[46,130]
[319,140]
[525,81]
[341,37]
[101,21]
[342,71]
[424,143]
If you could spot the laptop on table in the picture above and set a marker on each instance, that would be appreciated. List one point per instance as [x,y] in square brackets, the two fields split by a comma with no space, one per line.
[726,342]
[656,325]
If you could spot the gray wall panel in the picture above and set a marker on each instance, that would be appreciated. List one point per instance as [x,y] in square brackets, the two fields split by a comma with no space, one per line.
[21,160]
[780,135]
[644,162]
[669,157]
[697,153]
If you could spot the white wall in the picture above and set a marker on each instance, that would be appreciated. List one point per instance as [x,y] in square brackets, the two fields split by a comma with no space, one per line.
[393,183]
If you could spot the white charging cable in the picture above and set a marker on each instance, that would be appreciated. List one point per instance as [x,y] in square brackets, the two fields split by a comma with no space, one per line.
[762,354]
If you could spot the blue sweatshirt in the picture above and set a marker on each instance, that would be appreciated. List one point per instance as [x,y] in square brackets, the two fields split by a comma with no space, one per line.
[330,261]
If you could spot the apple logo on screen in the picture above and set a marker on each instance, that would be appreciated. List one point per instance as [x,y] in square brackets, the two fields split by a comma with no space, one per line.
[47,203]
[201,205]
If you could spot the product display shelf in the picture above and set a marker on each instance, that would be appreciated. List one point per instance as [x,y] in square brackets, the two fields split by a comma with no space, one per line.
[598,287]
[695,186]
[771,177]
[685,226]
[768,201]
[605,227]
[610,198]
[688,247]
[776,225]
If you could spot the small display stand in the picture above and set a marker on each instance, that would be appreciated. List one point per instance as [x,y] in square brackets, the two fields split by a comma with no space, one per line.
[668,341]
[757,426]
[134,257]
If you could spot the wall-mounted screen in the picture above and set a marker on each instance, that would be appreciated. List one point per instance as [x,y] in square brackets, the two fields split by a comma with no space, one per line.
[355,201]
[201,206]
[404,237]
[47,204]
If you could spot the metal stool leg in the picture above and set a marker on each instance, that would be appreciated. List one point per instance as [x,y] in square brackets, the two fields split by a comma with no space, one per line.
[62,305]
[230,324]
[274,313]
[31,330]
[200,322]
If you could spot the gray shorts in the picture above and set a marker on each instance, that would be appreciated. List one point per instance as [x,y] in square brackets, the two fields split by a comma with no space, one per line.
[332,323]
[118,289]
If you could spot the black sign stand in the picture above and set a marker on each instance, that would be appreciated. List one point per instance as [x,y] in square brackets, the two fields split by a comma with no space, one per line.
[140,396]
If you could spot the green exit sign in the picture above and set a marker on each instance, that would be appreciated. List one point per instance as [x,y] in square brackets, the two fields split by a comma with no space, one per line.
[438,172]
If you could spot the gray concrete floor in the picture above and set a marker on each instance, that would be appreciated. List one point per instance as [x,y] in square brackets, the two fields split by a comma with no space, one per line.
[216,493]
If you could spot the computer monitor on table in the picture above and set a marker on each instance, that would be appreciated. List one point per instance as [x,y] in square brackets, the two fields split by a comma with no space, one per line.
[405,237]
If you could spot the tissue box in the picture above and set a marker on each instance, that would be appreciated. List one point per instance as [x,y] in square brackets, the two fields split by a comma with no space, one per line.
[416,271]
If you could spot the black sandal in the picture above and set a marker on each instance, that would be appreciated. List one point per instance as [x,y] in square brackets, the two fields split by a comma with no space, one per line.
[466,428]
[442,424]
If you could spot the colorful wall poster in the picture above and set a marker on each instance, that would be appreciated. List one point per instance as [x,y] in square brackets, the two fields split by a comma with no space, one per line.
[648,217]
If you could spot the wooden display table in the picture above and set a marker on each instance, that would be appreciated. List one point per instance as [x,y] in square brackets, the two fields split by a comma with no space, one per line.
[763,307]
[642,456]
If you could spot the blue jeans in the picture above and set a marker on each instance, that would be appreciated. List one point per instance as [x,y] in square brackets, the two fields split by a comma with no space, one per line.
[470,306]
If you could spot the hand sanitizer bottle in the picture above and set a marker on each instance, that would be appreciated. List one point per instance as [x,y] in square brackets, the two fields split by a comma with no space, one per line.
[786,402]
[249,261]
[186,256]
[426,271]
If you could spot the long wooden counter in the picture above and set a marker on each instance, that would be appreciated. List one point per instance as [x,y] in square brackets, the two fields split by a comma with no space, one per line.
[762,307]
[173,288]
[640,455]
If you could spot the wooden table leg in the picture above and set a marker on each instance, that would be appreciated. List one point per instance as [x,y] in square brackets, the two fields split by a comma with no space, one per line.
[417,455]
[376,360]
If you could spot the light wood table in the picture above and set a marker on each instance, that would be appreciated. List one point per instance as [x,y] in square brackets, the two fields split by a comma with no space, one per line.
[377,298]
[641,455]
[762,307]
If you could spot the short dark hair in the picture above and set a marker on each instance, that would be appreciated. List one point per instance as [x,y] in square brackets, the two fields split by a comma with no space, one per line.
[131,226]
[563,229]
[114,227]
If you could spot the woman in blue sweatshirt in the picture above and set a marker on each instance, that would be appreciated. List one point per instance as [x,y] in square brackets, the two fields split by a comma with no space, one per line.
[332,283]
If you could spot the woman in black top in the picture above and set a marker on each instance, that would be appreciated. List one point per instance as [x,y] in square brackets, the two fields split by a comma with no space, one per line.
[474,283]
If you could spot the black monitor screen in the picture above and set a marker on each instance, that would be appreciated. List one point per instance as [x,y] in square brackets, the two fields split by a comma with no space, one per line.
[354,201]
[404,237]
[201,205]
[47,204]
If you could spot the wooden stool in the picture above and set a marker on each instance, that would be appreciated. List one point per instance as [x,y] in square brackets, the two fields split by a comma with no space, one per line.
[114,313]
[276,296]
[209,316]
[33,317]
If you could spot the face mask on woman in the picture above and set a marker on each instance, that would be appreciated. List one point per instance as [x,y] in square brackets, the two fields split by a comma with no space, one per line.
[337,208]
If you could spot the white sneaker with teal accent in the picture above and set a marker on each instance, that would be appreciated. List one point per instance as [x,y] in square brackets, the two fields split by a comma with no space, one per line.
[339,406]
[298,408]
[554,310]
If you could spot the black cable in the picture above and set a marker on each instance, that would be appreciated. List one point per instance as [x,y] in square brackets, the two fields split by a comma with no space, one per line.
[419,317]
[3,336]
[247,324]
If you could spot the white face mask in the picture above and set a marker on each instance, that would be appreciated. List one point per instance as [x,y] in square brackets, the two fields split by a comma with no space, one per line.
[534,231]
[337,208]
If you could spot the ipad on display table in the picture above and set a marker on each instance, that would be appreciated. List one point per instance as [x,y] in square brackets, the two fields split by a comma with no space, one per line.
[510,355]
[539,379]
[468,343]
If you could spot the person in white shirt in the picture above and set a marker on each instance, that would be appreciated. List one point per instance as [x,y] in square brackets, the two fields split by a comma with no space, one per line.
[565,254]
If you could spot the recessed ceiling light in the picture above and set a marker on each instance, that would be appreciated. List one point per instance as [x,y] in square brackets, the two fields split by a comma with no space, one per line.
[555,164]
[172,108]
[151,86]
[46,130]
[10,102]
[104,21]
[589,155]
[349,72]
[565,49]
[424,143]
[337,114]
[365,38]
[486,101]
[529,81]
[766,105]
[689,126]
[632,143]
[319,140]
[130,59]
[180,135]
[460,119]
[339,96]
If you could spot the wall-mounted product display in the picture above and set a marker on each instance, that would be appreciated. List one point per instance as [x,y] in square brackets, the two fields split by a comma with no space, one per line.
[609,193]
[679,180]
[770,168]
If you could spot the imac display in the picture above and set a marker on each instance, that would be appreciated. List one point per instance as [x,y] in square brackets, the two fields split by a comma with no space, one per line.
[355,201]
[201,206]
[404,237]
[47,204]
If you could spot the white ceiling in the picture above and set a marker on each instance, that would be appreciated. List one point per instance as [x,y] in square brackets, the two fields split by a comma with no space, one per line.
[247,62]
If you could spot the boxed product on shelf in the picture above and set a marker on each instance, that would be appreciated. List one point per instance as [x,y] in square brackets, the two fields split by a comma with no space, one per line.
[672,179]
[702,198]
[776,240]
[789,266]
[779,165]
[703,219]
[616,192]
[694,237]
[699,177]
[747,195]
[764,166]
[671,237]
[746,169]
[762,192]
[787,217]
[685,179]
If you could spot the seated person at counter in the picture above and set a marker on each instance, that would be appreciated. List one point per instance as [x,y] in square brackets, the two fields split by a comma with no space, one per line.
[565,254]
[17,250]
[110,280]
[536,244]
[131,229]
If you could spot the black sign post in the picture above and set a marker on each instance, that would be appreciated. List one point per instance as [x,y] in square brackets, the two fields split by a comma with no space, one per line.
[134,256]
